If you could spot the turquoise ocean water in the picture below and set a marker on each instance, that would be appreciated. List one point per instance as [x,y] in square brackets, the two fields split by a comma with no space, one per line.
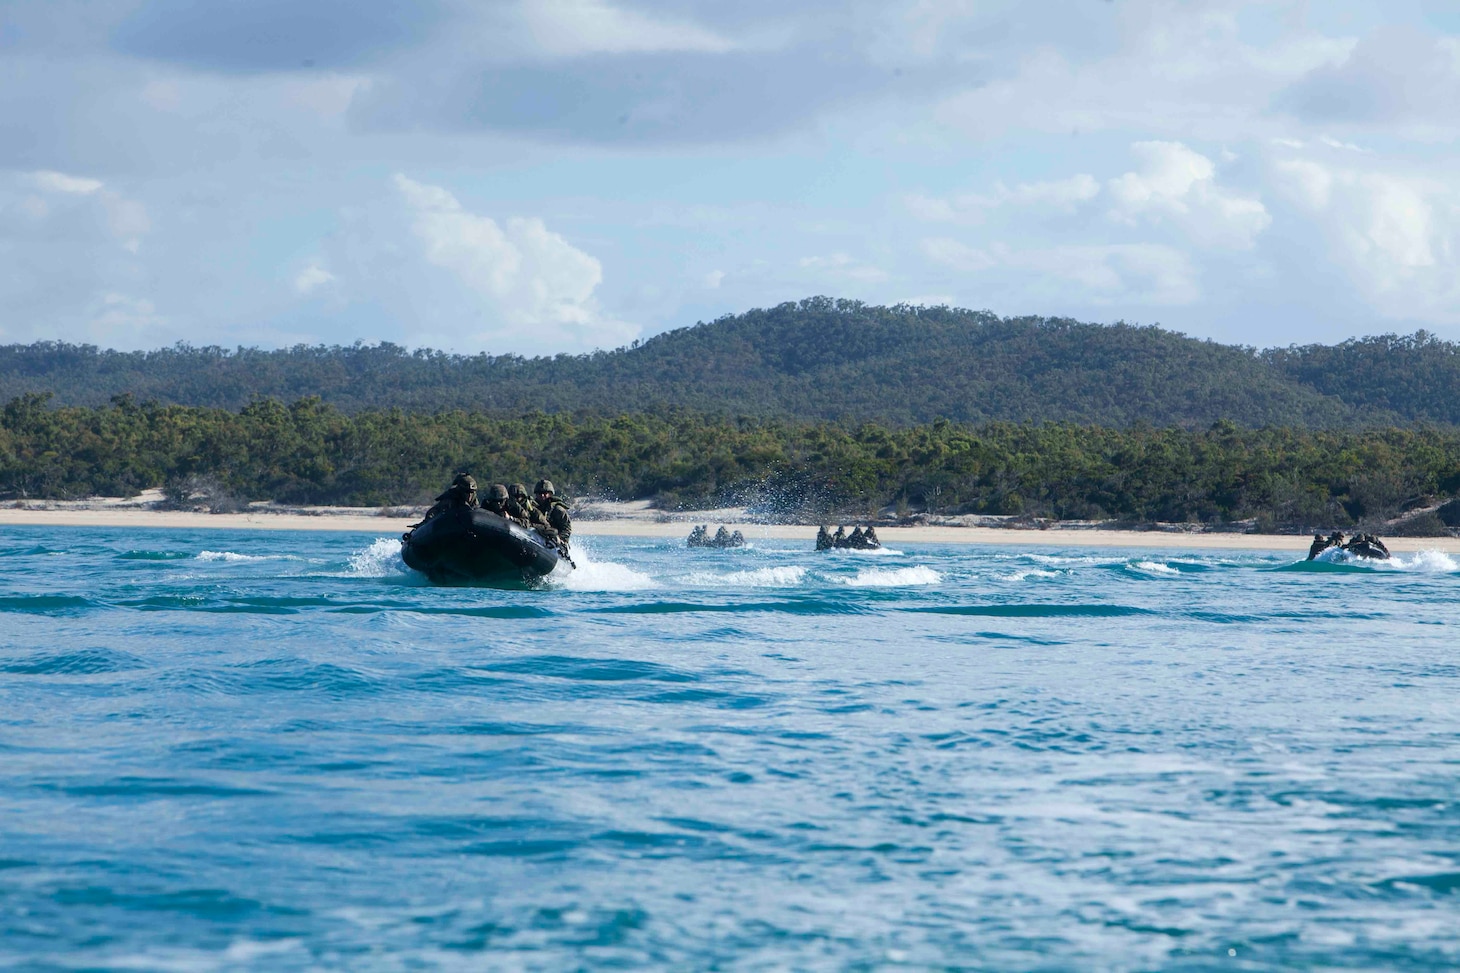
[281,751]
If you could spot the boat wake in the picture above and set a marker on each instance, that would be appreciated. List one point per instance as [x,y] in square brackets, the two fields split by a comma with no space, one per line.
[592,575]
[380,560]
[1420,562]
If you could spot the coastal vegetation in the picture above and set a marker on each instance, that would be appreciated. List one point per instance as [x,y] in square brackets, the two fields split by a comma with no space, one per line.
[309,451]
[817,359]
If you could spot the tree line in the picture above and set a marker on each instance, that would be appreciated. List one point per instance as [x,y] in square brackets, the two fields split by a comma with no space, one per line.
[311,452]
[835,360]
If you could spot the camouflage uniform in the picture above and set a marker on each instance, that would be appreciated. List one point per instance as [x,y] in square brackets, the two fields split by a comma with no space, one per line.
[559,528]
[461,493]
[522,509]
[497,500]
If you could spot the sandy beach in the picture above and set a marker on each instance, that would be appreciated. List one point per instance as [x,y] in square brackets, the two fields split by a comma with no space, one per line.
[638,520]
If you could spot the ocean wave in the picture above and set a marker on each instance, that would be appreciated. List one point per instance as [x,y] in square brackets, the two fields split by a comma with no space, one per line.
[1152,567]
[1062,610]
[788,576]
[231,556]
[893,577]
[1027,573]
[44,604]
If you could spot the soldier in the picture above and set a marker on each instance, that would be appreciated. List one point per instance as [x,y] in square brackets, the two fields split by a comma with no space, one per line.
[1319,545]
[722,538]
[697,537]
[559,526]
[823,538]
[855,542]
[522,508]
[461,493]
[839,539]
[870,539]
[497,500]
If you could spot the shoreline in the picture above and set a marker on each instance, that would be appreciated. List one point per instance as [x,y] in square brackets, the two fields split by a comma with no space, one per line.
[370,521]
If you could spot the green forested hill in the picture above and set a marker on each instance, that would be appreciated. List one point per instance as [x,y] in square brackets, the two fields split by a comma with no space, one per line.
[816,359]
[1415,376]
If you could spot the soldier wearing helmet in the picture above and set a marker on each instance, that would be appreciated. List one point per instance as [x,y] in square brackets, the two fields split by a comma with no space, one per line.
[461,493]
[522,509]
[554,510]
[496,501]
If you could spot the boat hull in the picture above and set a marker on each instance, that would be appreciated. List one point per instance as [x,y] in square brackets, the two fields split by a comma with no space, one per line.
[475,546]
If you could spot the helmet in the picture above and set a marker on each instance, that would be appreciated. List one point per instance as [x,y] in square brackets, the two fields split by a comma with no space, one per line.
[464,480]
[544,486]
[497,492]
[517,490]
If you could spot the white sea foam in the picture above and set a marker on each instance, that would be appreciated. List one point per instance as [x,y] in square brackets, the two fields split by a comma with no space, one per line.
[380,559]
[1432,562]
[788,576]
[1153,567]
[858,552]
[893,577]
[230,556]
[591,575]
[1027,573]
[1420,562]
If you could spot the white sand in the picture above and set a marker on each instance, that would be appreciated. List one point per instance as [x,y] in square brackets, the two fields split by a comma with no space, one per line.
[637,520]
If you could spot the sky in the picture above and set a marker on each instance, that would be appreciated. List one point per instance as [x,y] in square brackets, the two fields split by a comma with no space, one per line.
[545,176]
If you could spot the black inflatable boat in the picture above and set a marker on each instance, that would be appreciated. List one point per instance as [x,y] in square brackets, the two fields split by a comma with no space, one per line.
[467,545]
[1367,549]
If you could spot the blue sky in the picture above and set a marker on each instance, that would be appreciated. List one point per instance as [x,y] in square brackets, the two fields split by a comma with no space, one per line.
[539,176]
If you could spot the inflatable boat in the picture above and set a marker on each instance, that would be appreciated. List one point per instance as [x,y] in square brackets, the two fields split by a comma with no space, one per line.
[466,545]
[1374,550]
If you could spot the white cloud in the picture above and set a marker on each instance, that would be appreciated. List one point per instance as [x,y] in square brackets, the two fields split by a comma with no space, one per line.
[714,279]
[959,256]
[1061,194]
[568,28]
[1181,70]
[127,321]
[1176,183]
[1334,143]
[1311,182]
[841,266]
[311,278]
[525,274]
[33,207]
[1396,236]
[1396,79]
[127,219]
[59,182]
[1103,274]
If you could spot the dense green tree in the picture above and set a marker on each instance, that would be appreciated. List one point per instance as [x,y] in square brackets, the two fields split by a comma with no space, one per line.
[819,358]
[312,452]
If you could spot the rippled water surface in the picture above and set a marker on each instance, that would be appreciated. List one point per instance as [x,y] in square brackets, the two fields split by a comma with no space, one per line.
[281,751]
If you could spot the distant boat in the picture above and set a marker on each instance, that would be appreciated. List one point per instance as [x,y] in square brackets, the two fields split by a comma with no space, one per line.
[466,545]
